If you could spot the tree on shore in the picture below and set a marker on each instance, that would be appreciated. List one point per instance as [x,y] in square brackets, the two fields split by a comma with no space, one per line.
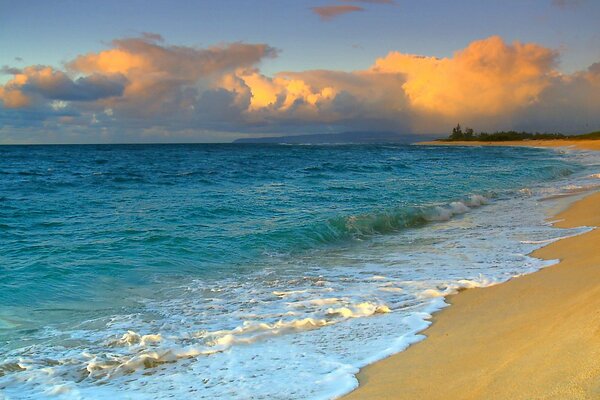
[457,133]
[469,135]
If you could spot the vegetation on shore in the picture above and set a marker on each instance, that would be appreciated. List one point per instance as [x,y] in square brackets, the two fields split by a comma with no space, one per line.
[587,136]
[468,135]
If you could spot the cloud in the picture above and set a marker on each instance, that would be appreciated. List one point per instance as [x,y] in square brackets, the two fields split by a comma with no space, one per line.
[152,37]
[50,84]
[165,79]
[144,85]
[565,4]
[570,103]
[370,1]
[329,12]
[145,55]
[349,100]
[487,78]
[56,85]
[135,84]
[485,84]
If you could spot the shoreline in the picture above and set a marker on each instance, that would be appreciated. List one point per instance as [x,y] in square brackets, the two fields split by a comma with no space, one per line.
[536,336]
[578,144]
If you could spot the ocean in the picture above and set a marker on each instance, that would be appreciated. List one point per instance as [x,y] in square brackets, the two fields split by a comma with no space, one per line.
[241,271]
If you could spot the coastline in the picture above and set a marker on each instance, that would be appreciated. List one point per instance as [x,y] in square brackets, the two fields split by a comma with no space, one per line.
[578,144]
[534,337]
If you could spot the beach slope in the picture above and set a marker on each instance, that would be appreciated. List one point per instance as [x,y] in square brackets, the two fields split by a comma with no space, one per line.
[533,337]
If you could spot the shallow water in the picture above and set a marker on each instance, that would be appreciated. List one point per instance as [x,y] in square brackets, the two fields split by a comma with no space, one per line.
[250,271]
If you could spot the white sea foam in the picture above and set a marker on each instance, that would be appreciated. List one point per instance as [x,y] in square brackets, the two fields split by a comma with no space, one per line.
[555,239]
[445,213]
[359,310]
[391,289]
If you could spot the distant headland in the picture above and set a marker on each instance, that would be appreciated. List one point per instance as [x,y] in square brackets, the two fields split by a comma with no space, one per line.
[357,137]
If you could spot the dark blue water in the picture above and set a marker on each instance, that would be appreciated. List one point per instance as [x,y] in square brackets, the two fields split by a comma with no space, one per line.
[75,218]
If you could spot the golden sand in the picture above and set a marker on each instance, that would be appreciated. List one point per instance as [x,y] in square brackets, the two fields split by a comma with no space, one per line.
[579,144]
[533,337]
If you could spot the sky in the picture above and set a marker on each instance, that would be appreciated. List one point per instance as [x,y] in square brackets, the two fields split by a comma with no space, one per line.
[213,71]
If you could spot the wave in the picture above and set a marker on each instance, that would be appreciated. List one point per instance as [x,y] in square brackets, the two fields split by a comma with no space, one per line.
[134,352]
[362,226]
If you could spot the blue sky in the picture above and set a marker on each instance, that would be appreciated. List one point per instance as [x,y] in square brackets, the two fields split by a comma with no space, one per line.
[50,32]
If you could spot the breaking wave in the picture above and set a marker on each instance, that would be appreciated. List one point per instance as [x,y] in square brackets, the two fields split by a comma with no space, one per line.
[362,226]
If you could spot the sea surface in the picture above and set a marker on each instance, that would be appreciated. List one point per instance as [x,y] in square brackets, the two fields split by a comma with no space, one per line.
[251,271]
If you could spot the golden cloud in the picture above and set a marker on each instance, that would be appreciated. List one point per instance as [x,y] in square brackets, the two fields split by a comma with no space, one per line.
[487,78]
[490,84]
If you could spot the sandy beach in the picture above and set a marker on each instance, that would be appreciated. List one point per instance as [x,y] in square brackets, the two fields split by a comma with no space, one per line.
[534,337]
[579,144]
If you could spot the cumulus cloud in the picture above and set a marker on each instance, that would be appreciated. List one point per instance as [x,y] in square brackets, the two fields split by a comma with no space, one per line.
[166,79]
[486,84]
[570,103]
[487,78]
[145,55]
[47,83]
[361,99]
[143,85]
[328,12]
[56,85]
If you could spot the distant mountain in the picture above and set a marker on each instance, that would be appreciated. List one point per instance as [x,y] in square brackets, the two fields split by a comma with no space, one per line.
[341,138]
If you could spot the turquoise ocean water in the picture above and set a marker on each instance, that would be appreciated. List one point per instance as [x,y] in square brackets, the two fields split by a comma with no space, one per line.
[250,271]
